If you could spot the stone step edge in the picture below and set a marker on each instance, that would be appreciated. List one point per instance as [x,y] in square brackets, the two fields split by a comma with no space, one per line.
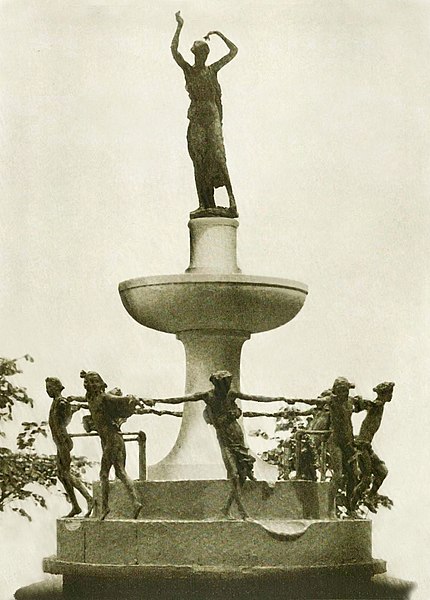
[60,567]
[207,520]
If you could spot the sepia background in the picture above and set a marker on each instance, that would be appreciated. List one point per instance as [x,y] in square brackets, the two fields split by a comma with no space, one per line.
[326,125]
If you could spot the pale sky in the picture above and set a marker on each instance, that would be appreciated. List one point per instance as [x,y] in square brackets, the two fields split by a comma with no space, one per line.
[326,126]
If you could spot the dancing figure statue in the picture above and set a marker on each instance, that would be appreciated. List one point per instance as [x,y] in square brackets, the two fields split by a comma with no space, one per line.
[204,136]
[60,415]
[341,442]
[107,412]
[222,413]
[373,470]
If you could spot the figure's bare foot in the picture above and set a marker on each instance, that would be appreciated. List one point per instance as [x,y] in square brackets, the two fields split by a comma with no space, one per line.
[138,507]
[104,514]
[352,514]
[243,515]
[227,514]
[373,501]
[90,507]
[384,500]
[76,510]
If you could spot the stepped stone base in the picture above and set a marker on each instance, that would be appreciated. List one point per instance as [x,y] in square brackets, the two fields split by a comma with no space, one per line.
[182,526]
[182,547]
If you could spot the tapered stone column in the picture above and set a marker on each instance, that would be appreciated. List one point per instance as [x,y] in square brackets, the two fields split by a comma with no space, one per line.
[196,454]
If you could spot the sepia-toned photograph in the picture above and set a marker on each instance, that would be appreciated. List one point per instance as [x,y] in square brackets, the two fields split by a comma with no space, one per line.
[214,304]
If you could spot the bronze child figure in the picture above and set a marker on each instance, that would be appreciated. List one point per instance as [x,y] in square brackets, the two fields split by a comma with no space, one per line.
[106,411]
[341,442]
[204,136]
[373,470]
[60,415]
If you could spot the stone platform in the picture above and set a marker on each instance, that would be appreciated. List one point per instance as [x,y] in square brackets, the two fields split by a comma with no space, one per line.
[220,544]
[182,542]
[182,525]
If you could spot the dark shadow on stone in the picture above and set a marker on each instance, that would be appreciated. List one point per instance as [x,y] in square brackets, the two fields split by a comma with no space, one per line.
[309,499]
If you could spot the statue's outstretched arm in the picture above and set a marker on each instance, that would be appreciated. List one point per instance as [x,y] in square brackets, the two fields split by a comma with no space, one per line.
[359,404]
[318,402]
[311,401]
[241,396]
[75,406]
[233,50]
[175,400]
[175,42]
[77,399]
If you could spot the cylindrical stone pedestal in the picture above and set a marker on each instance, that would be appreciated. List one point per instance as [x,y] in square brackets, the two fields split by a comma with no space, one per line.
[213,245]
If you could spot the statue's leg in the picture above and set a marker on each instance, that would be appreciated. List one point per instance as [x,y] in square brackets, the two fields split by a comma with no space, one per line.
[204,191]
[237,492]
[105,467]
[120,472]
[233,476]
[227,506]
[349,469]
[380,472]
[197,148]
[80,486]
[337,470]
[363,484]
[63,471]
[231,199]
[236,496]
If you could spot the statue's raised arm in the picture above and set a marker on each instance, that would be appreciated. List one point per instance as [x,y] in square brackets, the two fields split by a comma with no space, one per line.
[233,50]
[175,42]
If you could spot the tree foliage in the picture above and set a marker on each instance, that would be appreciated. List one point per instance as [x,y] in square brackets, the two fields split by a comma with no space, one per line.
[22,469]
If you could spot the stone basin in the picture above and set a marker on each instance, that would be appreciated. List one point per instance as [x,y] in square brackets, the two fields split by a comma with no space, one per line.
[190,301]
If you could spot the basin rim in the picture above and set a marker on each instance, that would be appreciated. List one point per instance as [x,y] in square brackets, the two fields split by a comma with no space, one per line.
[234,278]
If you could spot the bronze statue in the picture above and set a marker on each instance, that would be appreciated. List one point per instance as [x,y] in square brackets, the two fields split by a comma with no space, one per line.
[204,136]
[341,442]
[60,415]
[222,413]
[107,413]
[373,470]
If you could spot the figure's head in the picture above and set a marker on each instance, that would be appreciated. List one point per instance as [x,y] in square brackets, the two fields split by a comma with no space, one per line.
[384,391]
[200,49]
[221,381]
[54,387]
[341,386]
[93,382]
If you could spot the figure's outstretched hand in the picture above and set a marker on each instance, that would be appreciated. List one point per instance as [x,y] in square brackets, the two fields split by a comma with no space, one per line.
[208,35]
[179,19]
[146,402]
